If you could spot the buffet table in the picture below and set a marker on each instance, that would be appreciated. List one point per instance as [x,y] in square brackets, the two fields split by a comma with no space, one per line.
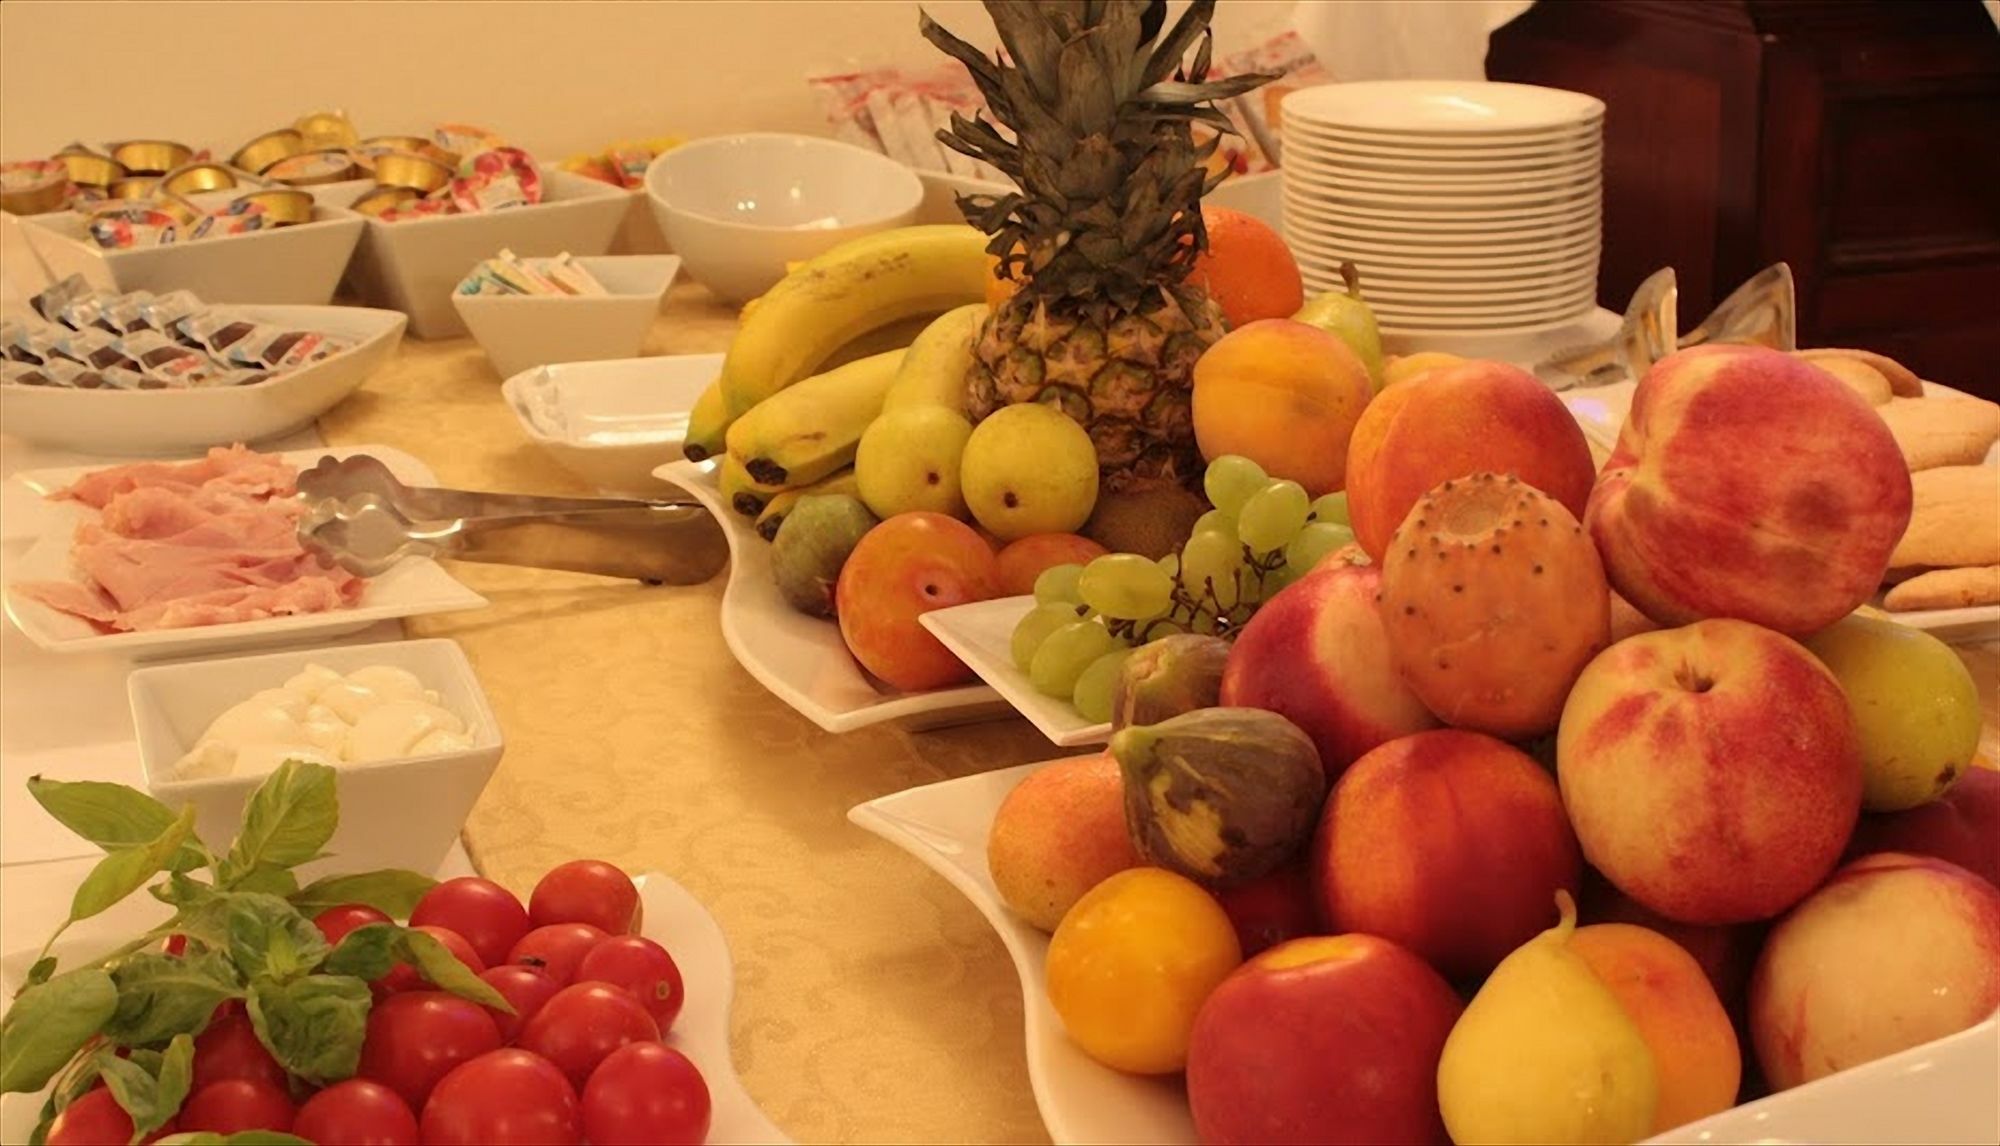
[873,1002]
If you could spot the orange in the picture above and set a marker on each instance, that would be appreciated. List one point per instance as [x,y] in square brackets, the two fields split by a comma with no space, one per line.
[1247,268]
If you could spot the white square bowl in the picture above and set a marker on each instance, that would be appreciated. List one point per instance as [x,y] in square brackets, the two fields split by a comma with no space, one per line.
[612,423]
[156,423]
[403,813]
[414,265]
[298,265]
[518,332]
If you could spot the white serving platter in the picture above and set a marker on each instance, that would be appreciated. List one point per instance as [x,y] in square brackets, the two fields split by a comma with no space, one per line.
[981,634]
[612,423]
[158,423]
[414,587]
[802,660]
[1941,1092]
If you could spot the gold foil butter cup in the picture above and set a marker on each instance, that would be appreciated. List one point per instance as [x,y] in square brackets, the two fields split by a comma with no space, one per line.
[382,200]
[407,169]
[259,154]
[314,168]
[136,187]
[323,130]
[198,177]
[92,169]
[151,156]
[283,207]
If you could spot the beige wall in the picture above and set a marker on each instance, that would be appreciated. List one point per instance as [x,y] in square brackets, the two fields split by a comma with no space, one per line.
[555,77]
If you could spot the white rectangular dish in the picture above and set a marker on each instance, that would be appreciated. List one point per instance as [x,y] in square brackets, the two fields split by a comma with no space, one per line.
[402,813]
[414,587]
[802,659]
[981,634]
[413,265]
[158,423]
[518,332]
[612,423]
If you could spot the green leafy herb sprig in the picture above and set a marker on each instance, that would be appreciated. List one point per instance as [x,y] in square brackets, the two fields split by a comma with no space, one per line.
[130,1017]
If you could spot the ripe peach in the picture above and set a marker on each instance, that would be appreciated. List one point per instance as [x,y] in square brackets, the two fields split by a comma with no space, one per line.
[902,569]
[1749,484]
[1665,993]
[1273,908]
[1962,828]
[1712,772]
[1450,843]
[1020,562]
[1895,950]
[1455,420]
[1285,395]
[1317,654]
[1058,834]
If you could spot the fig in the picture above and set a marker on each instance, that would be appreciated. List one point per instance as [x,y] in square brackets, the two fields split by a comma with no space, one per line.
[812,544]
[1220,795]
[1168,677]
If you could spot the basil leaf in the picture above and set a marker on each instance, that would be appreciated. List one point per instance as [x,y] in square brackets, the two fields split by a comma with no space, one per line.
[111,816]
[48,1024]
[268,879]
[367,952]
[126,870]
[160,996]
[149,1086]
[436,962]
[289,818]
[268,937]
[176,1078]
[240,1138]
[40,972]
[393,893]
[313,1026]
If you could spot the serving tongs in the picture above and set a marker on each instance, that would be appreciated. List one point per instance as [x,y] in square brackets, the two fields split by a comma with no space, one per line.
[362,517]
[1762,311]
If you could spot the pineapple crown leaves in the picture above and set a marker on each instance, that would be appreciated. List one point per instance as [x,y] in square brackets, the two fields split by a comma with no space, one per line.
[1100,105]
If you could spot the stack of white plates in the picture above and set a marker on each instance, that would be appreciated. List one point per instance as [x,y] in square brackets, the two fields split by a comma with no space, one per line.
[1465,206]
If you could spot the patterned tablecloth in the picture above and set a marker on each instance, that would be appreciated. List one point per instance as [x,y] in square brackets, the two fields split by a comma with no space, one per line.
[873,1003]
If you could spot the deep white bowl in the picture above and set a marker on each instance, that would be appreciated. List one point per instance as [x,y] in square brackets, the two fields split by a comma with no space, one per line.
[739,207]
[403,813]
[612,423]
[155,423]
[414,265]
[518,332]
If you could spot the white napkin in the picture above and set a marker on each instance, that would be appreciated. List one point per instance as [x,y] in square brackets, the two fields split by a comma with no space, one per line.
[1429,40]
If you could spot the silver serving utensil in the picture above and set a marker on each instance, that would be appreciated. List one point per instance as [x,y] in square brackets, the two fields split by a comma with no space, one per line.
[358,515]
[1646,336]
[1763,312]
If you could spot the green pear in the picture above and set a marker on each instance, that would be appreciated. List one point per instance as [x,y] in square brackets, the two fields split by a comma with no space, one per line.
[1348,317]
[908,460]
[1915,705]
[1544,1053]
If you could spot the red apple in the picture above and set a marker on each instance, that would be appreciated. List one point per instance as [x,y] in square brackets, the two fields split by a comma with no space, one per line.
[1895,951]
[1749,484]
[1711,772]
[1020,562]
[1962,828]
[904,568]
[1325,1039]
[1317,654]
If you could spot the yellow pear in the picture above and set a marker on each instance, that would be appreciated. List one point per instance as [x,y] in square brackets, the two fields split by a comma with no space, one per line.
[1544,1053]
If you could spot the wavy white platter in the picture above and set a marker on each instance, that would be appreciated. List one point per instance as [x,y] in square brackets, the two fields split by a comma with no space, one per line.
[981,634]
[802,659]
[1939,1092]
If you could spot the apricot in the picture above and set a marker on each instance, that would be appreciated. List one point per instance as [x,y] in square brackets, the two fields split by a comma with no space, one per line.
[1058,834]
[1285,395]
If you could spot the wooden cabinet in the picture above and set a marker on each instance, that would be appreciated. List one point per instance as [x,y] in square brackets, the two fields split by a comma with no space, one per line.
[1857,140]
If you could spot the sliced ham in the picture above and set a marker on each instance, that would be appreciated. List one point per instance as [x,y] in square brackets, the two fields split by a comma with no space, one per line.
[233,468]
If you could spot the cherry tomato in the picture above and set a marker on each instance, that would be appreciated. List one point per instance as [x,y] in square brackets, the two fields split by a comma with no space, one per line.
[96,1119]
[583,1024]
[229,1048]
[238,1104]
[642,967]
[415,1038]
[525,989]
[336,922]
[356,1113]
[403,977]
[557,949]
[488,915]
[586,891]
[503,1098]
[645,1093]
[174,945]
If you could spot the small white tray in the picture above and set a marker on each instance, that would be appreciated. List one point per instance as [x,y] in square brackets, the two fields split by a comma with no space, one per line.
[982,635]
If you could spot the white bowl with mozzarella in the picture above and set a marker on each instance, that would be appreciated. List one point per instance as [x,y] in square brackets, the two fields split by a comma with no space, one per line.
[405,725]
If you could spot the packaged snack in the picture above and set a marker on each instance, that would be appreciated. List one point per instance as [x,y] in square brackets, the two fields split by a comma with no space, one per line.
[91,346]
[161,358]
[270,348]
[126,227]
[237,218]
[24,374]
[463,139]
[127,313]
[312,168]
[50,302]
[166,312]
[496,179]
[213,332]
[84,310]
[32,186]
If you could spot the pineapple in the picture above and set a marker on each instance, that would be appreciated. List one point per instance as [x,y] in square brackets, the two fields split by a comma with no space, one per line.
[1106,224]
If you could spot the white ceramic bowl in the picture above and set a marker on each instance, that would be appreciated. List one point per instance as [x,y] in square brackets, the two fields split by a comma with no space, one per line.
[518,332]
[612,423]
[154,423]
[298,265]
[414,265]
[739,207]
[403,813]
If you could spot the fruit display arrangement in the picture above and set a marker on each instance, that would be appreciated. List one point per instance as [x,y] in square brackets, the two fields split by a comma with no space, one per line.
[262,1011]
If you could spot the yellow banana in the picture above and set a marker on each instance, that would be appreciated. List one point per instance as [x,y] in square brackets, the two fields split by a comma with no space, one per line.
[934,372]
[855,287]
[805,432]
[708,421]
[842,481]
[739,492]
